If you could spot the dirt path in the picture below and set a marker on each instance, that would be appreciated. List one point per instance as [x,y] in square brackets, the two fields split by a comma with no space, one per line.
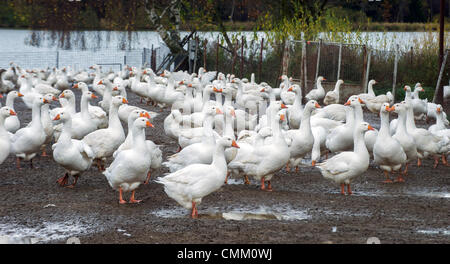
[303,208]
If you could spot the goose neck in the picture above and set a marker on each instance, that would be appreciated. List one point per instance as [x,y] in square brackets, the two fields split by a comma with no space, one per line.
[384,127]
[359,117]
[66,134]
[10,100]
[359,144]
[114,121]
[219,158]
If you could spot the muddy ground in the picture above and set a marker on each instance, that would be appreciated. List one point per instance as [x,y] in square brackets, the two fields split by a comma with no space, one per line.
[303,208]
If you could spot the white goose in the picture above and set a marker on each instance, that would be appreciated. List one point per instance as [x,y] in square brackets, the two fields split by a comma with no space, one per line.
[98,115]
[130,167]
[12,123]
[105,141]
[73,155]
[189,185]
[82,123]
[387,151]
[402,136]
[318,93]
[5,144]
[347,165]
[265,159]
[200,152]
[295,111]
[301,140]
[332,97]
[26,142]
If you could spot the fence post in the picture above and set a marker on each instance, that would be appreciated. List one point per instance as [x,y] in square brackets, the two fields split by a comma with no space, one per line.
[260,59]
[196,53]
[339,62]
[124,59]
[441,72]
[318,59]
[236,44]
[242,56]
[363,84]
[217,55]
[395,71]
[57,59]
[305,75]
[369,55]
[204,53]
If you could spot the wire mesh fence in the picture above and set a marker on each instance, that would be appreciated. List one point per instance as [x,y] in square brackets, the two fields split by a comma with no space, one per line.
[78,60]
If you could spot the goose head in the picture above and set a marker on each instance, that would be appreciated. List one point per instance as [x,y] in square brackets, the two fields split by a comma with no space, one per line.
[62,116]
[135,114]
[81,85]
[321,79]
[385,108]
[7,111]
[14,94]
[40,100]
[213,110]
[227,142]
[229,111]
[67,94]
[311,105]
[399,108]
[50,98]
[118,101]
[89,95]
[418,88]
[142,123]
[372,82]
[363,127]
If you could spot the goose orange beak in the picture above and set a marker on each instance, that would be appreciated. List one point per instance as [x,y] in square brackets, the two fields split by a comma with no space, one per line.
[100,82]
[144,72]
[190,85]
[438,109]
[324,79]
[124,101]
[361,101]
[291,89]
[75,85]
[115,88]
[282,117]
[57,117]
[61,95]
[317,105]
[347,103]
[263,90]
[283,106]
[233,113]
[217,90]
[162,75]
[370,127]
[94,96]
[147,115]
[54,98]
[234,144]
[148,124]
[11,112]
[404,88]
[313,163]
[181,83]
[218,111]
[45,101]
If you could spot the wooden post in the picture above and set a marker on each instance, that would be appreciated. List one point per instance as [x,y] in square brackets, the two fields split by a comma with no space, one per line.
[395,72]
[439,94]
[339,62]
[441,72]
[260,59]
[369,55]
[189,59]
[236,46]
[411,56]
[242,56]
[305,68]
[204,53]
[363,84]
[217,55]
[196,54]
[318,59]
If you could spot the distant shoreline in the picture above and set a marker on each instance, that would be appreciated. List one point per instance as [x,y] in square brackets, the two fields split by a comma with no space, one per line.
[251,26]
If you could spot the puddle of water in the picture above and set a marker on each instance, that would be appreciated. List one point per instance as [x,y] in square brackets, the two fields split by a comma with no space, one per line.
[235,181]
[247,213]
[432,194]
[47,231]
[444,232]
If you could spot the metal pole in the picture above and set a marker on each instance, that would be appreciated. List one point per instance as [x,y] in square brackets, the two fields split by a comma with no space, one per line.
[439,95]
[57,59]
[363,78]
[369,54]
[441,72]
[318,60]
[260,59]
[204,53]
[196,53]
[189,59]
[217,55]
[339,62]
[242,56]
[395,72]
[305,67]
[124,59]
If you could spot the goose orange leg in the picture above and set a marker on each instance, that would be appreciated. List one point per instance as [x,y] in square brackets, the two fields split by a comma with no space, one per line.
[436,162]
[148,178]
[226,178]
[246,181]
[263,184]
[132,200]
[349,191]
[287,167]
[444,160]
[63,180]
[18,163]
[387,177]
[121,200]
[74,181]
[342,188]
[419,162]
[194,214]
[269,186]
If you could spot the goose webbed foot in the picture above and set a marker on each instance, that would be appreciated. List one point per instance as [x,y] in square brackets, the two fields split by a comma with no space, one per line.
[132,199]
[74,182]
[63,180]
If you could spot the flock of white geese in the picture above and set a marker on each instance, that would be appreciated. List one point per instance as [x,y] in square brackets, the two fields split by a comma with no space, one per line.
[225,127]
